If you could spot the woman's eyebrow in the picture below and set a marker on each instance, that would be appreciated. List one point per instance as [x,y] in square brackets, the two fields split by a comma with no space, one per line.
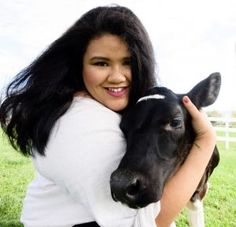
[99,58]
[127,58]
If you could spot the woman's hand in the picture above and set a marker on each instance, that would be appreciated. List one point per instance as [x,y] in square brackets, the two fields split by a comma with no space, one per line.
[179,189]
[205,133]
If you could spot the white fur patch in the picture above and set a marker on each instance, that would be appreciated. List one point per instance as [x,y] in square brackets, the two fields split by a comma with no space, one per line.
[156,96]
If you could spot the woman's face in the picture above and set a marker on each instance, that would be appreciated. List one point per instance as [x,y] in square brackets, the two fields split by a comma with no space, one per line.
[107,71]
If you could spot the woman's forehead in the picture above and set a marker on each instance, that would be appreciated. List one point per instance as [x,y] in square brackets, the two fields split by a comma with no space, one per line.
[107,44]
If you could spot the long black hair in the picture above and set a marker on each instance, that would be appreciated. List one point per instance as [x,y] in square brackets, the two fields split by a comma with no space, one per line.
[44,90]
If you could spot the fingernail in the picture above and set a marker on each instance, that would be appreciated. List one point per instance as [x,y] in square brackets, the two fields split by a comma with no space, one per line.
[186,99]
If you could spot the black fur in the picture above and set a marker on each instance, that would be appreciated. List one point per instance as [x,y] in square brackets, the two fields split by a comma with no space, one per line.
[159,137]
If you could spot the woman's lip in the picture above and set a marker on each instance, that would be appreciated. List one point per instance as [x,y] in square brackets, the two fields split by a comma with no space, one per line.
[117,91]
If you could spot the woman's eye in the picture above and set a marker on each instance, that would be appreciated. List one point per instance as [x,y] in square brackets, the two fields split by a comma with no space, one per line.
[127,62]
[101,63]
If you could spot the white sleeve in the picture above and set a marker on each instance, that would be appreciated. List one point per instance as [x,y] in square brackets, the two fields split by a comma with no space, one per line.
[85,147]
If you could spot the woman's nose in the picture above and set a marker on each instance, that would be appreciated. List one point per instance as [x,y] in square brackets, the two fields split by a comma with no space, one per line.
[116,75]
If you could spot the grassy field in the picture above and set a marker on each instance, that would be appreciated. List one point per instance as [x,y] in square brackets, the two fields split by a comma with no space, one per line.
[220,202]
[16,172]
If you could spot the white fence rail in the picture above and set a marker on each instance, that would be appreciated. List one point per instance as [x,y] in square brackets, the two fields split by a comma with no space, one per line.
[224,124]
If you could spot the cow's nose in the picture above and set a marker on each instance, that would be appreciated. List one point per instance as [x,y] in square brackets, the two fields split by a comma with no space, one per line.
[134,188]
[127,187]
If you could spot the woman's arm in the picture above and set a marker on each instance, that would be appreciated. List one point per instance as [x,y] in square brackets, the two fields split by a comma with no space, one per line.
[182,185]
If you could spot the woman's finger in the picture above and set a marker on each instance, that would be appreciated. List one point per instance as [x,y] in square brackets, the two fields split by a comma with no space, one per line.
[200,122]
[192,109]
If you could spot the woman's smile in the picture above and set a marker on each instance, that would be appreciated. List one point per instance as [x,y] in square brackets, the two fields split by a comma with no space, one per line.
[117,92]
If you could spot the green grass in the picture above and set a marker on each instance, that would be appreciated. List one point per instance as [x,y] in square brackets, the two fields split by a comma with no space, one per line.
[16,171]
[220,201]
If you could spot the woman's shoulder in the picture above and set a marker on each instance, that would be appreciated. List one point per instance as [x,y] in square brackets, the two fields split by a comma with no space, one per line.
[85,123]
[89,113]
[88,105]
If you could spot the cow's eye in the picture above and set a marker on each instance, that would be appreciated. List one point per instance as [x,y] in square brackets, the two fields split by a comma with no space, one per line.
[176,122]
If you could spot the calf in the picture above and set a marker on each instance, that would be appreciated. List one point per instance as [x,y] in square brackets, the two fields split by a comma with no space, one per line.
[159,137]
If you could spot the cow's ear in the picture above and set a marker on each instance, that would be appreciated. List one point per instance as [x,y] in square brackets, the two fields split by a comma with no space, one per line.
[206,92]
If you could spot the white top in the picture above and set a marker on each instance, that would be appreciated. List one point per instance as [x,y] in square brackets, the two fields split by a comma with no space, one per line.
[72,182]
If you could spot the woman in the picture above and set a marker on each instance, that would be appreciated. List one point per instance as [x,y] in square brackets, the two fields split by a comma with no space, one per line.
[64,110]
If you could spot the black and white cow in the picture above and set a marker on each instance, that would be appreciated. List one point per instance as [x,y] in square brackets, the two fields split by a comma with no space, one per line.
[159,137]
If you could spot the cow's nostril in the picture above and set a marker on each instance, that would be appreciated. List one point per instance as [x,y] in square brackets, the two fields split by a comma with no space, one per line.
[133,189]
[129,188]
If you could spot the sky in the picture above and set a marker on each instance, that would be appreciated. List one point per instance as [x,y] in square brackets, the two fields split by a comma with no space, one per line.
[191,39]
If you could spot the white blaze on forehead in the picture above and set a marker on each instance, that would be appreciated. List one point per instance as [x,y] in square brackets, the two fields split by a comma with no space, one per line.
[156,96]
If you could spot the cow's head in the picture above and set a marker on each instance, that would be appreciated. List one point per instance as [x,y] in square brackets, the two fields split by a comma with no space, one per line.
[159,137]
